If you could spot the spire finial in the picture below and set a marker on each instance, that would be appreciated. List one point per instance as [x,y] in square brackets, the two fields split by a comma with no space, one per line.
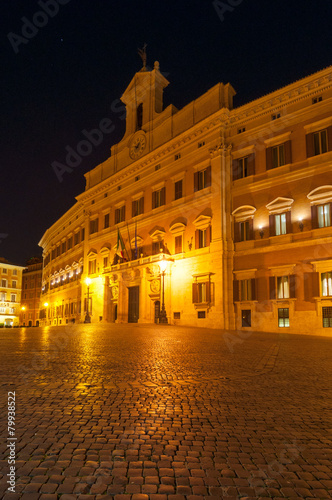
[142,54]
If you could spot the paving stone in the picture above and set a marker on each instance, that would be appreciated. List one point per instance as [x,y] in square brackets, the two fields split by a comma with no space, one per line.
[205,424]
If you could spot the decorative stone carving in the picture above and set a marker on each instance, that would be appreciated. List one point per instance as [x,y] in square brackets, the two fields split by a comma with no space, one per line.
[155,286]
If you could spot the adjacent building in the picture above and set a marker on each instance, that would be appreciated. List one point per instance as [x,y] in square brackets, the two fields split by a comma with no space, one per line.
[237,201]
[31,292]
[10,293]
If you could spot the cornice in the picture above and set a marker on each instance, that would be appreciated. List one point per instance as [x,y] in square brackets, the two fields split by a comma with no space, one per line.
[278,99]
[308,170]
[154,156]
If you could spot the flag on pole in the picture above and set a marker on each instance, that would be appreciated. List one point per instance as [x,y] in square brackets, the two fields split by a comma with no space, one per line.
[120,247]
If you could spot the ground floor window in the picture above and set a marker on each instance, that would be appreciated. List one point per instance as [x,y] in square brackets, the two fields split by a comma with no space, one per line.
[246,317]
[283,317]
[327,317]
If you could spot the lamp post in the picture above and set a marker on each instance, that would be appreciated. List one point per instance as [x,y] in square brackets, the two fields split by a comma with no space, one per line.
[46,306]
[23,308]
[162,316]
[87,315]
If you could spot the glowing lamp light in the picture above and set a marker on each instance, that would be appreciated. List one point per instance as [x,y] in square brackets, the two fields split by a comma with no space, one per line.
[22,308]
[45,304]
[88,281]
[163,264]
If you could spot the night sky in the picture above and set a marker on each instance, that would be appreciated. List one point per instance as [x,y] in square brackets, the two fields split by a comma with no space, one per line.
[68,74]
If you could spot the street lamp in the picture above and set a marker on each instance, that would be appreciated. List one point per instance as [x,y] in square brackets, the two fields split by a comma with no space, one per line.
[162,316]
[23,308]
[87,316]
[46,306]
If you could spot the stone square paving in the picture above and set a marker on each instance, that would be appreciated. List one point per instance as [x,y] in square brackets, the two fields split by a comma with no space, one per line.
[157,412]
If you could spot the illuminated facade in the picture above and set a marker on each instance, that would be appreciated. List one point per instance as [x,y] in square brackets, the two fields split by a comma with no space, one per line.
[31,291]
[237,200]
[10,293]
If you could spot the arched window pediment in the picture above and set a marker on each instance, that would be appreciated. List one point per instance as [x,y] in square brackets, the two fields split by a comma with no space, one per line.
[202,221]
[322,194]
[279,204]
[92,252]
[243,213]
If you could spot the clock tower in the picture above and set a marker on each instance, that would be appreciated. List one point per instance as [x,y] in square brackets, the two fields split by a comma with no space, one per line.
[144,101]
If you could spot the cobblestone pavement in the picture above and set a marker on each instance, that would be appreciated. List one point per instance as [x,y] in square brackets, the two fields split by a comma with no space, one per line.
[166,413]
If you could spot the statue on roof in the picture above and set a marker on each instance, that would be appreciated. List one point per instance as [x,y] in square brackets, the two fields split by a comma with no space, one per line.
[142,54]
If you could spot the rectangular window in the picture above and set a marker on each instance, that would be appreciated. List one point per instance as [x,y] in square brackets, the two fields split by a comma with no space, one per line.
[13,297]
[243,167]
[326,282]
[327,317]
[324,215]
[3,297]
[136,254]
[106,221]
[176,315]
[69,243]
[158,198]
[202,238]
[76,238]
[157,247]
[92,266]
[278,156]
[201,314]
[58,251]
[245,290]
[105,262]
[82,234]
[283,287]
[63,247]
[120,214]
[280,224]
[178,190]
[283,317]
[244,230]
[201,292]
[320,142]
[202,179]
[4,271]
[178,244]
[93,226]
[15,272]
[14,283]
[138,207]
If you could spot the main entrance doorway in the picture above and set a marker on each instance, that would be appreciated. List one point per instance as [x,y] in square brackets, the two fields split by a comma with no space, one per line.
[133,304]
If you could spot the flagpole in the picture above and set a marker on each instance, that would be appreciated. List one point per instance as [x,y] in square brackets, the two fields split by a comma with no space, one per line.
[129,242]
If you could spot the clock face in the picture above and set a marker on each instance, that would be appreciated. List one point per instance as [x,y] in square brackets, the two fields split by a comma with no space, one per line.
[137,146]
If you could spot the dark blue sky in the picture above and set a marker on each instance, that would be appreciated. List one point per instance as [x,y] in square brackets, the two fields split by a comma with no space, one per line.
[67,74]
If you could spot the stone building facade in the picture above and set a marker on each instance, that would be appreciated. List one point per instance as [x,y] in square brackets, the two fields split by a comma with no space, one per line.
[236,200]
[10,293]
[31,292]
